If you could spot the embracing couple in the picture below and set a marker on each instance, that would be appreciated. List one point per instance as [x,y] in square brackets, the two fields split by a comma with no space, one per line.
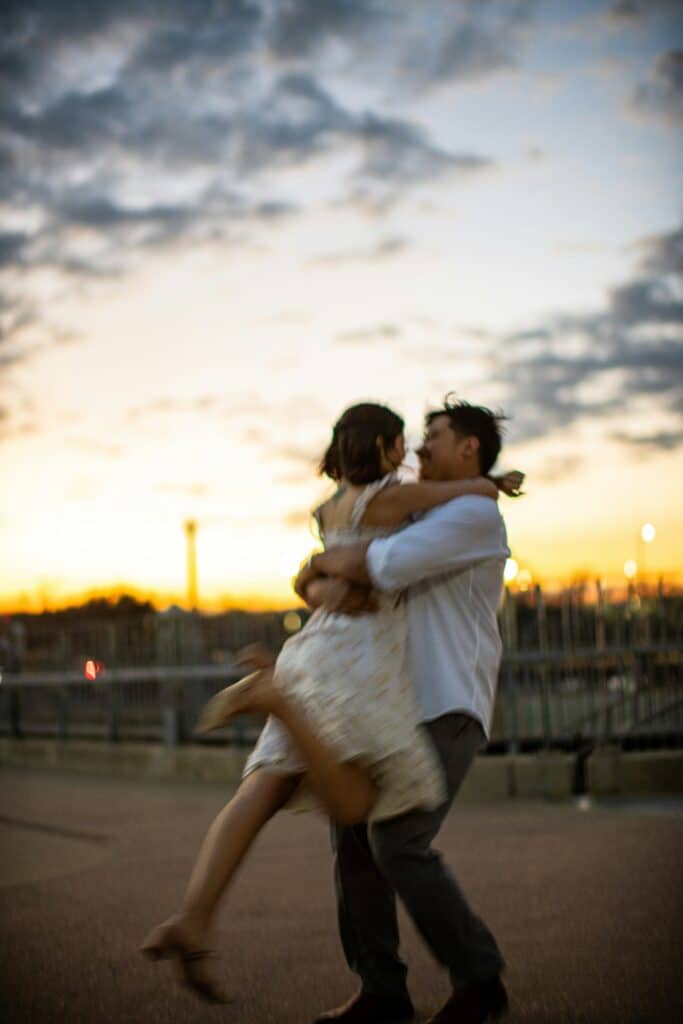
[377,709]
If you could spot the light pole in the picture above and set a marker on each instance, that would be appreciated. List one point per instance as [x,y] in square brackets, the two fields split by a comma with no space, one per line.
[510,607]
[191,535]
[646,535]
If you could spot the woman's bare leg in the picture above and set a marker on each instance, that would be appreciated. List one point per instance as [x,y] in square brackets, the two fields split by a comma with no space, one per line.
[345,789]
[233,830]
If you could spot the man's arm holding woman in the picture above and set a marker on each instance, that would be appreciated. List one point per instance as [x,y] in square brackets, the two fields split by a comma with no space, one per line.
[452,539]
[342,578]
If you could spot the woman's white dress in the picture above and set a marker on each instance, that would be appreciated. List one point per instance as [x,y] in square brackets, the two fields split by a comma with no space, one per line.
[349,674]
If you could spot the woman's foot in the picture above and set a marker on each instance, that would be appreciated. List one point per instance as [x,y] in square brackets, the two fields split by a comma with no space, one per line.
[176,940]
[256,692]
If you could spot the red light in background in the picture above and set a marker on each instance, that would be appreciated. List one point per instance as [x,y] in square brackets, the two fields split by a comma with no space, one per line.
[92,669]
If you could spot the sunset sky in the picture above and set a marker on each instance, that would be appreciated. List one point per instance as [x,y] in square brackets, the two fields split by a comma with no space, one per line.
[223,222]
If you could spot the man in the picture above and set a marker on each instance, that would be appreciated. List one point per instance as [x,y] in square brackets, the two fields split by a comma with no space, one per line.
[450,565]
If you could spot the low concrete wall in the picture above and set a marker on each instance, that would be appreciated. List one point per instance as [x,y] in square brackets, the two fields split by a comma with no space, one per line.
[147,761]
[490,778]
[529,776]
[611,772]
[544,776]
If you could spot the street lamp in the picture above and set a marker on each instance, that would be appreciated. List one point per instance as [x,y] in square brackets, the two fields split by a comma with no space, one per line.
[646,535]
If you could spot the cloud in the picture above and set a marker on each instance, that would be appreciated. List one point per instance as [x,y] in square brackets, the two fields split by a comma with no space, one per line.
[11,245]
[663,440]
[475,45]
[398,151]
[417,46]
[302,26]
[663,254]
[635,12]
[575,366]
[174,407]
[560,468]
[661,97]
[385,249]
[15,314]
[380,332]
[215,34]
[146,124]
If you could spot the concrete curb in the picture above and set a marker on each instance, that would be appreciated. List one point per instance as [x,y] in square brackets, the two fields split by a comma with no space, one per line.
[544,776]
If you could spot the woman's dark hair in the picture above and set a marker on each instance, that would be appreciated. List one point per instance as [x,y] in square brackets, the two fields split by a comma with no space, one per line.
[353,452]
[474,421]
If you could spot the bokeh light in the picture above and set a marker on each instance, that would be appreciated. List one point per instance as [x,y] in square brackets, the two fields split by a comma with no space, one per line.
[510,571]
[292,622]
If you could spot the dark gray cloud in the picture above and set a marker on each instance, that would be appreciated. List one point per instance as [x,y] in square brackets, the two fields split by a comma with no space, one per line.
[302,26]
[663,254]
[626,11]
[11,245]
[632,349]
[634,12]
[662,95]
[418,46]
[398,151]
[300,120]
[481,41]
[103,100]
[204,33]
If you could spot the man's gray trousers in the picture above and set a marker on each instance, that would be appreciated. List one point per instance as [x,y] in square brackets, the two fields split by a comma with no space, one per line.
[373,864]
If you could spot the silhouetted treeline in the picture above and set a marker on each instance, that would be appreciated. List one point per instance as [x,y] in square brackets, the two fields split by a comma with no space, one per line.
[128,632]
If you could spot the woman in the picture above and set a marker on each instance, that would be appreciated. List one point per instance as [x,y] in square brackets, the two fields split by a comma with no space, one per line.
[343,723]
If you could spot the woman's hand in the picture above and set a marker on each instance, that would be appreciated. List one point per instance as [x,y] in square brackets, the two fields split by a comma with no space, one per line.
[255,657]
[337,595]
[484,486]
[510,483]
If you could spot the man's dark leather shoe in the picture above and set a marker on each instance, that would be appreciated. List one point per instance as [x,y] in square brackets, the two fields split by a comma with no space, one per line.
[367,1008]
[476,1003]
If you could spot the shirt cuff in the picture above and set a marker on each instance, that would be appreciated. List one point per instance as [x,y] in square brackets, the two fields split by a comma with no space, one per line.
[375,559]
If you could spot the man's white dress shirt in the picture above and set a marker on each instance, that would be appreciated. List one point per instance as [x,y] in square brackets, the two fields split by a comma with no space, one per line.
[450,565]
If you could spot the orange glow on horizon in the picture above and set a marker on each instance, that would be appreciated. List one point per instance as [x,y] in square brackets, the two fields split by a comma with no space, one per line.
[35,602]
[281,601]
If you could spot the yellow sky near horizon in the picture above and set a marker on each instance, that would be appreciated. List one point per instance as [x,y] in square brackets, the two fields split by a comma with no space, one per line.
[208,252]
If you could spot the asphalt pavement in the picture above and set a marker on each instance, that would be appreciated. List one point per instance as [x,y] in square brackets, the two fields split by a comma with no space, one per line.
[586,903]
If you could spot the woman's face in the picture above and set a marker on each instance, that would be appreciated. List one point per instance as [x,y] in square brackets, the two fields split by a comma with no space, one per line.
[392,457]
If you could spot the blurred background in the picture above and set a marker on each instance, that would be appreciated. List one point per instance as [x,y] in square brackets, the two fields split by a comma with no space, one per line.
[223,222]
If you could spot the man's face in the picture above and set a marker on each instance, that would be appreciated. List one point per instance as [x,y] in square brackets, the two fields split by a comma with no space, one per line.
[445,455]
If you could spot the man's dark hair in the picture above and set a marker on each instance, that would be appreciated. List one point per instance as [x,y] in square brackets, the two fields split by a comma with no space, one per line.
[353,451]
[474,421]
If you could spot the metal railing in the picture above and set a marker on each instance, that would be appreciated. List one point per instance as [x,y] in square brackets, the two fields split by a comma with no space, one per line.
[632,696]
[560,699]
